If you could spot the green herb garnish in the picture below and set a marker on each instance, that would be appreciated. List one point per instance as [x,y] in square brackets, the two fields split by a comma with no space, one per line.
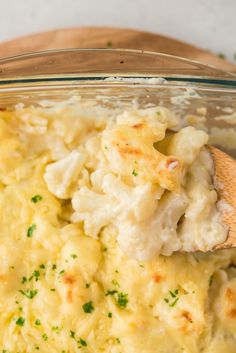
[134,173]
[87,285]
[31,230]
[36,198]
[37,322]
[74,256]
[56,329]
[174,293]
[109,314]
[29,293]
[82,342]
[45,337]
[36,275]
[210,281]
[110,292]
[20,321]
[114,281]
[24,279]
[174,302]
[72,334]
[173,298]
[122,299]
[88,307]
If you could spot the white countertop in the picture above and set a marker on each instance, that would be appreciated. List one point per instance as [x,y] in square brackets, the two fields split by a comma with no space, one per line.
[210,24]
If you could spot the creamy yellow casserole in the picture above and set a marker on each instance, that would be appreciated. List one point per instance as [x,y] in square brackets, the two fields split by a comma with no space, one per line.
[92,201]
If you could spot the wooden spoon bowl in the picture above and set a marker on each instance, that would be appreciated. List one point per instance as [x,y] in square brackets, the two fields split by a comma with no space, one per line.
[225,185]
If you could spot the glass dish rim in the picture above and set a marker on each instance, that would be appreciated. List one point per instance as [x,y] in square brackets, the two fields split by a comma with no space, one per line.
[226,79]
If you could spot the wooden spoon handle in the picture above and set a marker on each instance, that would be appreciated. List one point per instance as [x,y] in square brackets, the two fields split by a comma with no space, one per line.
[225,185]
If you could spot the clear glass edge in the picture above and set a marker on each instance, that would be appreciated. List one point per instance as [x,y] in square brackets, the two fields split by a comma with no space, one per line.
[228,80]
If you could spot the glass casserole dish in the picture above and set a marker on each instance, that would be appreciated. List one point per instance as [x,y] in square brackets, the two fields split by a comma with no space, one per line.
[63,294]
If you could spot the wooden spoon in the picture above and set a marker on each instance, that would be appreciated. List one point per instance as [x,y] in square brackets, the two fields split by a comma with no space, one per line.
[225,185]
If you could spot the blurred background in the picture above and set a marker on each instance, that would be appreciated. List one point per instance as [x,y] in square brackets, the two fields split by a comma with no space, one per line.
[209,24]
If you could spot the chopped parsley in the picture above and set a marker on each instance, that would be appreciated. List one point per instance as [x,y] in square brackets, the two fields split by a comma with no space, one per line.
[45,337]
[37,322]
[61,272]
[36,198]
[118,340]
[158,113]
[174,293]
[35,275]
[82,342]
[29,293]
[110,292]
[72,334]
[88,307]
[20,321]
[54,267]
[87,285]
[52,289]
[122,299]
[104,249]
[31,230]
[74,256]
[24,279]
[109,315]
[173,298]
[42,266]
[57,329]
[134,173]
[114,281]
[174,302]
[210,281]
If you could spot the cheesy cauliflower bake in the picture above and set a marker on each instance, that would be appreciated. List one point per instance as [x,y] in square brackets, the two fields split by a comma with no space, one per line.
[92,201]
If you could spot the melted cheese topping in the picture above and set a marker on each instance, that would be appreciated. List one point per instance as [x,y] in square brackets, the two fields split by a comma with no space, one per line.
[88,200]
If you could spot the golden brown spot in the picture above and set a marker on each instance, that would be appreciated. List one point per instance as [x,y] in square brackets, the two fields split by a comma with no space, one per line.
[172,163]
[69,296]
[138,126]
[129,150]
[67,279]
[187,315]
[229,294]
[232,313]
[157,277]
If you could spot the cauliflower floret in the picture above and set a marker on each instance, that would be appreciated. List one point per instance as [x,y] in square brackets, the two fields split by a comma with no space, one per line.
[187,143]
[94,209]
[61,177]
[31,122]
[130,152]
